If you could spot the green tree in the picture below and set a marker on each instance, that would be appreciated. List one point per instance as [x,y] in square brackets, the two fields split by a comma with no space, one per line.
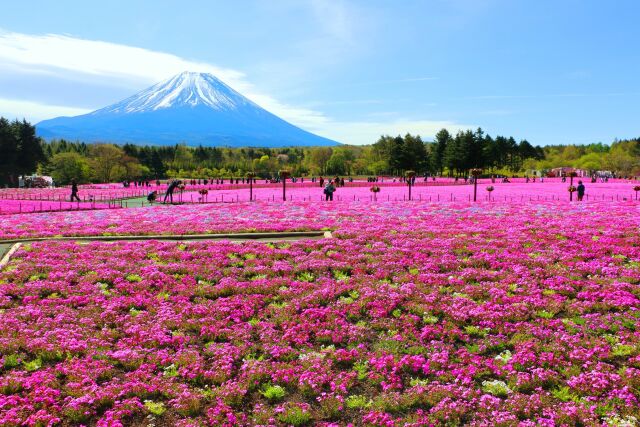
[340,161]
[8,153]
[443,138]
[64,167]
[318,159]
[20,150]
[30,151]
[156,166]
[415,154]
[106,162]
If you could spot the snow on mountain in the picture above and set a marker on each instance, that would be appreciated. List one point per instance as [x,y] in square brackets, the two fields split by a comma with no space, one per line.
[195,108]
[184,89]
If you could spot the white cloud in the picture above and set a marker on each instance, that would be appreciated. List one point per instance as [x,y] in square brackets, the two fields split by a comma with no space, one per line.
[98,58]
[63,55]
[368,132]
[36,111]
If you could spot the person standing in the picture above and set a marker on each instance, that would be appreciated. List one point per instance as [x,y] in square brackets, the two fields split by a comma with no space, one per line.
[580,190]
[329,190]
[170,189]
[74,190]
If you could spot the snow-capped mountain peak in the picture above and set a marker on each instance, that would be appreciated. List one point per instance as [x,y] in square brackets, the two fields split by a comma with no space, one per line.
[187,89]
[195,108]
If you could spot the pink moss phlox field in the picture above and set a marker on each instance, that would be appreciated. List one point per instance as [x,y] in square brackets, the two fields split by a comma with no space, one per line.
[413,314]
[9,207]
[518,190]
[266,216]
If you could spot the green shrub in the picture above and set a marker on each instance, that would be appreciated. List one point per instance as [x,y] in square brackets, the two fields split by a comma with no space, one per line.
[496,387]
[545,314]
[623,350]
[357,402]
[295,416]
[564,394]
[362,368]
[34,365]
[156,408]
[305,276]
[273,392]
[11,361]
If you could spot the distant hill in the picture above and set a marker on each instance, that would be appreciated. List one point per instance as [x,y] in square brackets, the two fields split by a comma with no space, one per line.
[195,108]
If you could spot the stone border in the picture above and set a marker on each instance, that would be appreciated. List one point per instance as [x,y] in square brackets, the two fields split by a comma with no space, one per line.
[5,259]
[291,235]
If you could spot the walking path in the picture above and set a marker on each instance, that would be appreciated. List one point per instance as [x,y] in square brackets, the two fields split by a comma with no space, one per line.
[8,247]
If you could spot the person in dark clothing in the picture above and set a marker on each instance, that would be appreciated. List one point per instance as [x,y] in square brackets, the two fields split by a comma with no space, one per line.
[74,190]
[170,189]
[321,182]
[329,190]
[151,197]
[580,190]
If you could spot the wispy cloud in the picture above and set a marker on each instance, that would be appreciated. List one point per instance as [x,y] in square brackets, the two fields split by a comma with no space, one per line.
[495,112]
[395,81]
[60,56]
[555,95]
[63,53]
[370,131]
[35,111]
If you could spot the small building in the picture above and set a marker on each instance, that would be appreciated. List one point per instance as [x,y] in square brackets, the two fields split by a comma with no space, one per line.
[565,171]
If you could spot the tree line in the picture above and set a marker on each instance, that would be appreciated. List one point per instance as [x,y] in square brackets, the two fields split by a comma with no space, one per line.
[22,153]
[20,150]
[455,155]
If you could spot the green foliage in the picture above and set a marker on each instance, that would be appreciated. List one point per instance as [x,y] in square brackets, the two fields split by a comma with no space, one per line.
[33,365]
[11,361]
[64,167]
[456,154]
[475,331]
[623,350]
[156,408]
[273,392]
[20,149]
[545,314]
[305,276]
[295,416]
[622,157]
[564,394]
[170,371]
[362,368]
[357,401]
[341,275]
[496,387]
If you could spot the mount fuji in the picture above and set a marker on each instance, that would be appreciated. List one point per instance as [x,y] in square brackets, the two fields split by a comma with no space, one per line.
[194,108]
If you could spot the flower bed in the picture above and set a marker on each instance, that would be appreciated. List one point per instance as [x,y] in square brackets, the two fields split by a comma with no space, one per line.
[276,216]
[9,207]
[442,189]
[502,315]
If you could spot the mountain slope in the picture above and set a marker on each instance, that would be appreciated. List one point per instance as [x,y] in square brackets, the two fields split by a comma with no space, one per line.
[195,108]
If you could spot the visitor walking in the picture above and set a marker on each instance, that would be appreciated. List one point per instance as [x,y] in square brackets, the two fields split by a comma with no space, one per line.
[580,190]
[74,190]
[329,190]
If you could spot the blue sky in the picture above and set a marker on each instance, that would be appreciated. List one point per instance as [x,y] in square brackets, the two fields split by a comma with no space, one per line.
[553,72]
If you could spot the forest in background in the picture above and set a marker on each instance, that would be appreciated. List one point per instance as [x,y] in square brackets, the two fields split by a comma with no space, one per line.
[22,153]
